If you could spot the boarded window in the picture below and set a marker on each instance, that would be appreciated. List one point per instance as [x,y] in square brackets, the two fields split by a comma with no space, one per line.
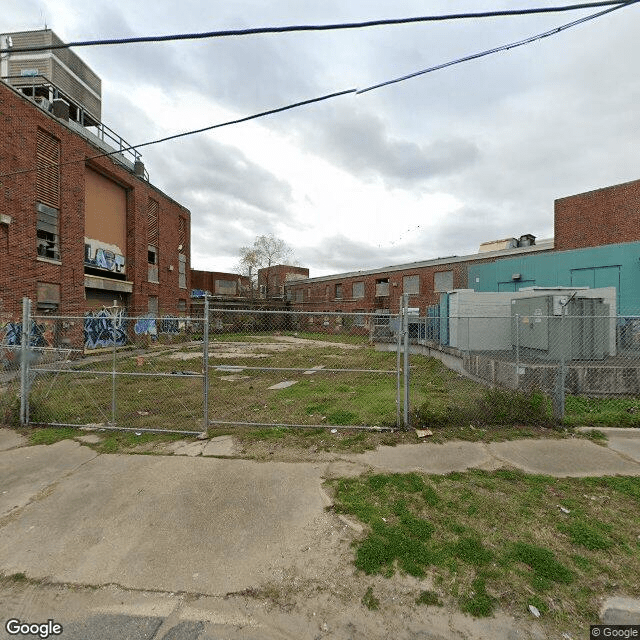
[382,287]
[153,305]
[182,271]
[299,295]
[338,291]
[358,290]
[226,287]
[48,174]
[47,236]
[411,284]
[182,306]
[443,281]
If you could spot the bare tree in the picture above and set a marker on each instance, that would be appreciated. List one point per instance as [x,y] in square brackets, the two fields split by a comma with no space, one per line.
[266,251]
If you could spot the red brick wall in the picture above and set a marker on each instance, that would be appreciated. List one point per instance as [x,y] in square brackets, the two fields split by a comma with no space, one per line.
[605,216]
[20,269]
[206,280]
[316,297]
[275,277]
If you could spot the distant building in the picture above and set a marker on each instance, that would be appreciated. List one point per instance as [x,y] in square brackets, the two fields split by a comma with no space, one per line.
[219,284]
[273,280]
[78,230]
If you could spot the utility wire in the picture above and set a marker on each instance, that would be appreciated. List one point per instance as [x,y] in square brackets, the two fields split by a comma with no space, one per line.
[504,47]
[312,27]
[340,93]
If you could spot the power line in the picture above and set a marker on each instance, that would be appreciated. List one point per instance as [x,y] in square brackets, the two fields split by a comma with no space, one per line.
[336,94]
[313,27]
[504,47]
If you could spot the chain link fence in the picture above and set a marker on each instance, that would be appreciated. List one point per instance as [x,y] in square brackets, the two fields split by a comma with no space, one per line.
[220,367]
[551,359]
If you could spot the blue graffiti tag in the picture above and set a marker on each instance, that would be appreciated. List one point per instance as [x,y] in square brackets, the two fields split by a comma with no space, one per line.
[102,328]
[146,324]
[13,335]
[169,325]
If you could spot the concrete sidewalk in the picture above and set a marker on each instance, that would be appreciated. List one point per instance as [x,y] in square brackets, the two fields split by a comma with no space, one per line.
[189,526]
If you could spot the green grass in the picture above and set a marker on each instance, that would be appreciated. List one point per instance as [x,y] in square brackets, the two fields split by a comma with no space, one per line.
[51,435]
[497,540]
[602,412]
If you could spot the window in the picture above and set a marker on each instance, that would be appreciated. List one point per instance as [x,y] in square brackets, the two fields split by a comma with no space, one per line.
[338,291]
[326,291]
[182,271]
[152,239]
[411,284]
[153,305]
[47,237]
[299,295]
[358,319]
[226,287]
[182,306]
[358,290]
[382,287]
[443,281]
[152,259]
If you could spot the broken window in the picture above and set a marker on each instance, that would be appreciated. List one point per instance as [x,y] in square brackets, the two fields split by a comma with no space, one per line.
[48,240]
[152,259]
[382,287]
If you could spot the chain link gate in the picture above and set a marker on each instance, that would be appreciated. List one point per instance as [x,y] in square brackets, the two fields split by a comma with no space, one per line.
[110,370]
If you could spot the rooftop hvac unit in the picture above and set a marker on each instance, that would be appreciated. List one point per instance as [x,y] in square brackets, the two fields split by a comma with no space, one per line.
[553,327]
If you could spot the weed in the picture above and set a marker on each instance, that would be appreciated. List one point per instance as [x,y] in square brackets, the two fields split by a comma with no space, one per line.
[546,569]
[51,435]
[585,535]
[478,602]
[370,601]
[429,598]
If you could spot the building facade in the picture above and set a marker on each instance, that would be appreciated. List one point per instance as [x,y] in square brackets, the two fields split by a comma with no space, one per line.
[220,284]
[273,280]
[81,230]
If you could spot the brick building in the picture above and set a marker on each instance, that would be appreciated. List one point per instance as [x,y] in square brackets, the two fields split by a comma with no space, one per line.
[273,280]
[601,217]
[380,290]
[220,284]
[79,231]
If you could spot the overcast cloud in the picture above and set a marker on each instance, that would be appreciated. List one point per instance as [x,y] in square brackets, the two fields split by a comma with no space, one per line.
[421,169]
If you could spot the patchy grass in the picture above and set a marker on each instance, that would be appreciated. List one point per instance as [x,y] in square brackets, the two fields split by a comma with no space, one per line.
[499,540]
[370,601]
[602,412]
[51,435]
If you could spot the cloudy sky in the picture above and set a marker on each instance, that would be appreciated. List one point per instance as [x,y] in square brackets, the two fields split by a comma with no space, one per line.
[422,169]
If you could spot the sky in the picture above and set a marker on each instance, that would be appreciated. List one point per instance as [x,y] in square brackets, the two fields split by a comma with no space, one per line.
[426,168]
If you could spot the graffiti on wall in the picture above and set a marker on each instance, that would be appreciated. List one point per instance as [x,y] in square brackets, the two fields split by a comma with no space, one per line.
[102,328]
[150,325]
[12,335]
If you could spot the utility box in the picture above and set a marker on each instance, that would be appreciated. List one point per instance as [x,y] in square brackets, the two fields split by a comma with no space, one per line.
[556,327]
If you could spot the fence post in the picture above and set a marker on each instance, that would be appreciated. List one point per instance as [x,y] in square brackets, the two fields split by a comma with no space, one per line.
[205,368]
[113,366]
[405,328]
[398,366]
[517,351]
[24,361]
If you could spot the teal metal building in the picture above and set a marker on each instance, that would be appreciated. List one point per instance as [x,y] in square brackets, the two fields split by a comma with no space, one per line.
[612,265]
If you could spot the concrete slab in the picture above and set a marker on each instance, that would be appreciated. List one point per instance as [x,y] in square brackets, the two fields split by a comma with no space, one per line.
[90,438]
[313,370]
[220,446]
[201,525]
[190,449]
[625,442]
[9,439]
[562,458]
[428,458]
[26,472]
[284,385]
[620,611]
[234,378]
